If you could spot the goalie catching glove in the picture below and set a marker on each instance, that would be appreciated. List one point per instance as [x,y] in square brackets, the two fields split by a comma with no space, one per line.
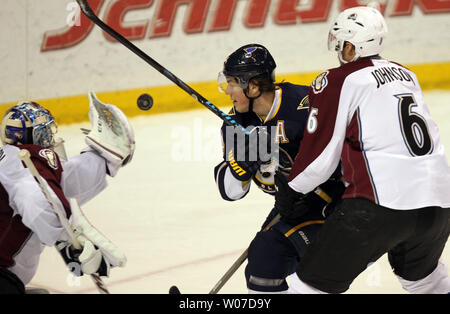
[111,136]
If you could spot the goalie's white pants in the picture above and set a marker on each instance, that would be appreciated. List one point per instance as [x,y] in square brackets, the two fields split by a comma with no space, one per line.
[438,282]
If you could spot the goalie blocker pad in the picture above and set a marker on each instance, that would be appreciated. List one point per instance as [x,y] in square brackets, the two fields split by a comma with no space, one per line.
[83,227]
[97,253]
[111,135]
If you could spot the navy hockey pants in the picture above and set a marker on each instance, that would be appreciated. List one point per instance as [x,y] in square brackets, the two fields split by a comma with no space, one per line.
[274,254]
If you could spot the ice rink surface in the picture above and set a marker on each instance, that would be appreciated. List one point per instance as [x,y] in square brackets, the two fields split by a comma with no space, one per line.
[165,213]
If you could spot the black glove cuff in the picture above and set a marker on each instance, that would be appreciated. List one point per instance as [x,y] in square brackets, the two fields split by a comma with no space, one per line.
[70,257]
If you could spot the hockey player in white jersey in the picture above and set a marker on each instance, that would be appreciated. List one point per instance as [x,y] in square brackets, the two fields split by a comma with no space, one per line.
[371,115]
[28,222]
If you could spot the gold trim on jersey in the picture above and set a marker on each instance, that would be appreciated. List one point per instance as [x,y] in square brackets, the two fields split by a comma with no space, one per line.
[323,195]
[281,133]
[304,224]
[264,182]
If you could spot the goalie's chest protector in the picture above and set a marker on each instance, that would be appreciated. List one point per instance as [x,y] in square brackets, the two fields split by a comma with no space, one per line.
[288,115]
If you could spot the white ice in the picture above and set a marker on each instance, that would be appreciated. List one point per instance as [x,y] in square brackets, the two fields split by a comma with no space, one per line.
[165,213]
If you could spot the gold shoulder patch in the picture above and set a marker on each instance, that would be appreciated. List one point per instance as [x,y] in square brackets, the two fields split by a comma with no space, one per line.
[50,156]
[304,104]
[320,82]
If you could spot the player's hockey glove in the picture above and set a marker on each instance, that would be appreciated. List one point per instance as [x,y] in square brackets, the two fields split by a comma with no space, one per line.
[289,203]
[85,261]
[247,151]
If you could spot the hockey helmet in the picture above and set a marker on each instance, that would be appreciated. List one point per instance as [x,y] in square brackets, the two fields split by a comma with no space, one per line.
[28,123]
[364,27]
[247,62]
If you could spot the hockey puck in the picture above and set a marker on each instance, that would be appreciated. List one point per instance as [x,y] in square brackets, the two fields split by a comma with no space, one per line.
[145,102]
[174,290]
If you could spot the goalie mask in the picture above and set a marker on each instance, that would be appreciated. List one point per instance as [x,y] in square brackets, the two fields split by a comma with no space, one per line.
[28,123]
[246,63]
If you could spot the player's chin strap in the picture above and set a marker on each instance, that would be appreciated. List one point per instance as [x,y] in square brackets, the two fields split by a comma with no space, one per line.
[250,104]
[251,99]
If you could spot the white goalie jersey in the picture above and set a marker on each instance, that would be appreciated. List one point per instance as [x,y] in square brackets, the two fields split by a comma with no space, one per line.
[28,221]
[371,115]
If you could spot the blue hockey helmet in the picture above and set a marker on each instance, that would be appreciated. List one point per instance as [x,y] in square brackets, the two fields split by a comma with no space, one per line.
[28,123]
[248,62]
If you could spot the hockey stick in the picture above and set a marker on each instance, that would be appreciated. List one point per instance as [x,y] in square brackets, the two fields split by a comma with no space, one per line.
[230,272]
[89,13]
[24,155]
[222,281]
[243,257]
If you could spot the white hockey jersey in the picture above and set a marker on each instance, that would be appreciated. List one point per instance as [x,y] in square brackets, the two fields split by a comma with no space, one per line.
[371,115]
[27,220]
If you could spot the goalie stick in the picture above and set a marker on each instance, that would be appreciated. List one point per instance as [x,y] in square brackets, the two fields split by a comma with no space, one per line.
[24,155]
[230,272]
[89,13]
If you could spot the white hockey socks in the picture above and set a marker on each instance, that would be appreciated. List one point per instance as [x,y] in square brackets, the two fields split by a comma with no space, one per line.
[296,286]
[438,282]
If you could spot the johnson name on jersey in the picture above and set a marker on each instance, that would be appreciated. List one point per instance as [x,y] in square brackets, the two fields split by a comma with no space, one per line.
[371,115]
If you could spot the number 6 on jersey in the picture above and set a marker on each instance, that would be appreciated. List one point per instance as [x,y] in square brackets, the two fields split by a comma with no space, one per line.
[414,127]
[312,120]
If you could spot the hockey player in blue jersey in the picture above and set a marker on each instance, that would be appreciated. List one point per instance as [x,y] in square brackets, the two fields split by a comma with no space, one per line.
[277,113]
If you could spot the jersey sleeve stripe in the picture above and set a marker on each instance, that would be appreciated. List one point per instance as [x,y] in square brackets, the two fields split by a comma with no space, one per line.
[356,165]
